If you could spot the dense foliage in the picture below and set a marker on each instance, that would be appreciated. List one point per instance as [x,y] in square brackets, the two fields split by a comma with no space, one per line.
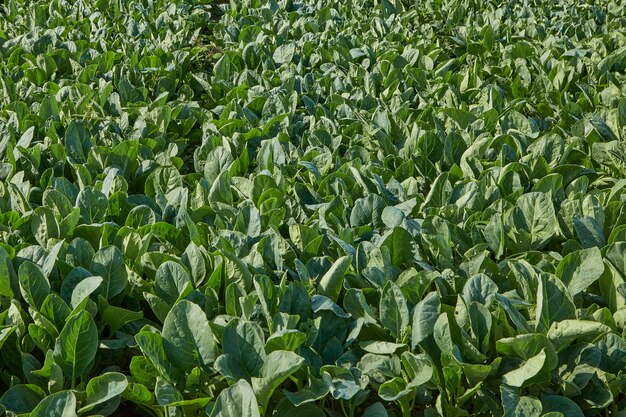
[312,208]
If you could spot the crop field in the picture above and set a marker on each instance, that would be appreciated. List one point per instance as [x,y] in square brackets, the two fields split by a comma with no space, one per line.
[312,208]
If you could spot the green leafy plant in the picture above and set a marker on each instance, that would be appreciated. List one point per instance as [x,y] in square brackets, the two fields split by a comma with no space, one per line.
[274,208]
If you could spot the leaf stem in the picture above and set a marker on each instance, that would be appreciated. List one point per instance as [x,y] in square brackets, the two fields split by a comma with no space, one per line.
[343,408]
[296,381]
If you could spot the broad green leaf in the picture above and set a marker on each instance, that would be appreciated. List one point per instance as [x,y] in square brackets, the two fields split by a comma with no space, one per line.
[534,220]
[342,383]
[534,371]
[560,404]
[22,398]
[418,369]
[151,345]
[525,346]
[565,332]
[268,295]
[519,406]
[236,401]
[244,356]
[158,306]
[167,394]
[589,232]
[393,390]
[77,345]
[139,394]
[45,227]
[60,404]
[331,283]
[394,313]
[578,270]
[8,279]
[288,339]
[104,388]
[554,303]
[33,284]
[425,315]
[380,347]
[77,141]
[170,280]
[84,289]
[55,310]
[284,53]
[315,390]
[462,117]
[278,365]
[479,288]
[187,337]
[400,244]
[116,317]
[514,315]
[367,211]
[92,204]
[376,410]
[108,263]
